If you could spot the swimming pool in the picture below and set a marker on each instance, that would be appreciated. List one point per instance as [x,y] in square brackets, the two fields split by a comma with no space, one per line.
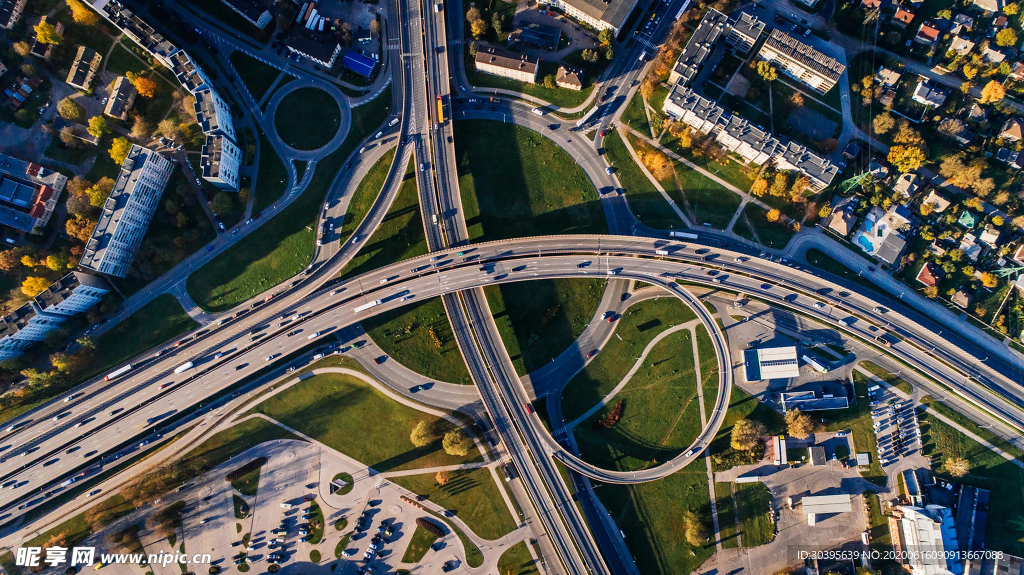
[866,243]
[868,224]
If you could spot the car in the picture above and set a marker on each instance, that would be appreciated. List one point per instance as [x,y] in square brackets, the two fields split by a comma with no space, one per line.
[766,286]
[819,305]
[609,170]
[348,552]
[385,280]
[355,239]
[592,353]
[380,359]
[604,132]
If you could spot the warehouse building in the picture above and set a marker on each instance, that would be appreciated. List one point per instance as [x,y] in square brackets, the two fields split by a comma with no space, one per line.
[771,363]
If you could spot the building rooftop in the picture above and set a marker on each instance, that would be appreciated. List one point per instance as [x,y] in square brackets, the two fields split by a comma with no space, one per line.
[699,47]
[120,98]
[206,111]
[7,10]
[778,362]
[537,35]
[252,10]
[929,95]
[211,155]
[805,55]
[26,191]
[136,28]
[494,56]
[930,274]
[747,25]
[614,12]
[84,68]
[570,76]
[187,72]
[322,49]
[826,504]
[359,63]
[887,77]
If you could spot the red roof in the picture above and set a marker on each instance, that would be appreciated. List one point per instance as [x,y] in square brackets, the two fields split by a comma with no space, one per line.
[870,4]
[903,17]
[930,274]
[928,32]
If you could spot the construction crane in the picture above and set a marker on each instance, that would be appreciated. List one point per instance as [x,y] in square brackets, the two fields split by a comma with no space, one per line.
[854,182]
[1009,271]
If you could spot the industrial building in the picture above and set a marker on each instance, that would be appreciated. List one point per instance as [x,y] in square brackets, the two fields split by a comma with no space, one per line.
[771,363]
[921,536]
[32,322]
[28,193]
[359,63]
[816,505]
[507,64]
[127,213]
[801,62]
[809,401]
[324,51]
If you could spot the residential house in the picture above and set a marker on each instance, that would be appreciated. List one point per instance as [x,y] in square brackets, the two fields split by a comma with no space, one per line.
[1017,71]
[902,18]
[887,98]
[41,49]
[989,6]
[993,56]
[887,78]
[968,220]
[970,246]
[961,298]
[84,69]
[1011,157]
[10,12]
[938,203]
[961,46]
[1012,130]
[962,23]
[1018,254]
[870,4]
[569,78]
[936,248]
[906,185]
[841,222]
[120,100]
[977,113]
[929,95]
[1000,22]
[851,151]
[990,236]
[930,274]
[927,35]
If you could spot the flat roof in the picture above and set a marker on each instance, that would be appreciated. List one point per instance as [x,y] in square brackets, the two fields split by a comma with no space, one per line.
[827,504]
[817,455]
[359,63]
[807,56]
[613,12]
[778,362]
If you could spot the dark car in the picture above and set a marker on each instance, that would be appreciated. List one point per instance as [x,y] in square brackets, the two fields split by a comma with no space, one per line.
[380,359]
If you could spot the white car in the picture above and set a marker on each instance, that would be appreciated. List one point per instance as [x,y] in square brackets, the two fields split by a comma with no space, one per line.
[363,149]
[384,281]
[819,305]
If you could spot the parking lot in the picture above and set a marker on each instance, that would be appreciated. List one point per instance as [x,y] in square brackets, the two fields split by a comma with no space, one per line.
[896,427]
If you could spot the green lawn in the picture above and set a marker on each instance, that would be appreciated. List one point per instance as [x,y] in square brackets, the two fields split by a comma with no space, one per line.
[248,483]
[257,76]
[649,516]
[710,202]
[753,507]
[515,182]
[365,195]
[160,320]
[337,409]
[725,502]
[731,171]
[857,419]
[982,432]
[821,260]
[317,523]
[637,327]
[419,337]
[271,177]
[241,507]
[660,416]
[123,59]
[634,115]
[471,494]
[283,246]
[742,405]
[772,234]
[540,319]
[400,235]
[988,471]
[307,119]
[646,202]
[708,368]
[562,97]
[418,545]
[516,560]
[883,374]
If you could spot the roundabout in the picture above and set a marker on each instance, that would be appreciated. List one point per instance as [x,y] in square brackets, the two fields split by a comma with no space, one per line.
[310,120]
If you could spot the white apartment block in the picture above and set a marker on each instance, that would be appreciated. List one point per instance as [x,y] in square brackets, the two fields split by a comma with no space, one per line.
[10,12]
[221,162]
[213,114]
[507,64]
[801,62]
[128,212]
[600,14]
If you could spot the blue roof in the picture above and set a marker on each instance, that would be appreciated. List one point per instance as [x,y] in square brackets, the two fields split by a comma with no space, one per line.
[358,63]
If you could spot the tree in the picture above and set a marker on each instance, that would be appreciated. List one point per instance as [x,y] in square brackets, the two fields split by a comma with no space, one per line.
[119,149]
[82,14]
[989,280]
[22,48]
[477,25]
[605,36]
[883,123]
[773,215]
[747,434]
[497,23]
[609,54]
[67,136]
[9,260]
[97,126]
[825,211]
[550,81]
[33,286]
[141,128]
[956,466]
[589,55]
[992,92]
[28,261]
[766,71]
[1011,9]
[221,203]
[952,127]
[47,34]
[657,163]
[455,442]
[57,262]
[80,228]
[906,158]
[442,477]
[71,110]
[799,424]
[145,87]
[421,435]
[1006,37]
[375,26]
[759,188]
[695,531]
[647,88]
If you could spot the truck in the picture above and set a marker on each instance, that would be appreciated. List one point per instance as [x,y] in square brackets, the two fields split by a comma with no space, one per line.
[268,298]
[118,372]
[661,252]
[817,365]
[685,235]
[440,109]
[881,339]
[183,367]
[367,306]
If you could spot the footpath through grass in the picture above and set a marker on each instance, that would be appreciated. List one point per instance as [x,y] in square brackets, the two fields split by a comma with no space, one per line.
[637,327]
[420,337]
[307,118]
[338,410]
[282,247]
[516,560]
[540,319]
[471,494]
[515,182]
[645,201]
[257,76]
[660,414]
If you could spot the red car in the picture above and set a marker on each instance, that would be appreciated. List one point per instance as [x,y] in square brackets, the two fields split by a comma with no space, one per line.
[529,409]
[592,353]
[604,133]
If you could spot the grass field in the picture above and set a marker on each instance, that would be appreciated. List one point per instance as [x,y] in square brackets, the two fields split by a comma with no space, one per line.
[365,194]
[271,177]
[753,508]
[257,76]
[561,97]
[637,327]
[540,319]
[646,202]
[857,419]
[988,471]
[883,374]
[471,494]
[307,118]
[711,202]
[731,171]
[516,560]
[160,320]
[248,483]
[419,544]
[725,501]
[283,246]
[400,235]
[337,409]
[660,416]
[514,183]
[634,115]
[419,337]
[772,234]
[649,516]
[708,368]
[742,405]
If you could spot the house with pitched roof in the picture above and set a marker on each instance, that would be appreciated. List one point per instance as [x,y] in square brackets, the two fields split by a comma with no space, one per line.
[902,18]
[1012,130]
[930,274]
[927,35]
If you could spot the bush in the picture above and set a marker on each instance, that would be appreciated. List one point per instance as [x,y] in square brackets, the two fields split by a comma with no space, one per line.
[251,466]
[429,525]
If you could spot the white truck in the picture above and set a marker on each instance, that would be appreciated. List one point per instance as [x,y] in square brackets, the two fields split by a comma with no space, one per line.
[118,372]
[183,367]
[367,306]
[686,235]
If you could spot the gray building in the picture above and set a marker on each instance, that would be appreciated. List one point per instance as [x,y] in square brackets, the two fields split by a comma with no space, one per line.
[122,95]
[188,73]
[84,69]
[220,162]
[213,114]
[801,62]
[127,213]
[10,12]
[28,193]
[600,14]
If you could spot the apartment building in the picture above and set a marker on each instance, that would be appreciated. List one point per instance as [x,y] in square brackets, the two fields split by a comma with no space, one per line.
[507,64]
[220,162]
[10,12]
[741,33]
[122,95]
[83,70]
[801,62]
[213,114]
[188,73]
[127,213]
[28,193]
[601,14]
